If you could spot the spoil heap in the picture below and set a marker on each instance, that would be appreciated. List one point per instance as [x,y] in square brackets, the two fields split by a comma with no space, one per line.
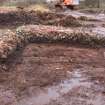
[33,17]
[41,33]
[10,41]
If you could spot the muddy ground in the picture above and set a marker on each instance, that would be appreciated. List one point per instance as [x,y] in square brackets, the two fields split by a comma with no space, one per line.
[53,73]
[50,74]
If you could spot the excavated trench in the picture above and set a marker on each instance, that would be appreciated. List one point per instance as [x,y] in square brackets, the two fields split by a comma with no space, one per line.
[48,65]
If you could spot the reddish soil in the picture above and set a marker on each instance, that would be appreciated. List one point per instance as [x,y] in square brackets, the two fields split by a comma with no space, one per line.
[42,65]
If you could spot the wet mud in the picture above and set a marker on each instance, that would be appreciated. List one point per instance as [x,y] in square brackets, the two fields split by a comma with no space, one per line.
[53,74]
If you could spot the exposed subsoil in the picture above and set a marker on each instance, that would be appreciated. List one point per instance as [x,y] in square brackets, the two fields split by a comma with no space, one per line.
[53,74]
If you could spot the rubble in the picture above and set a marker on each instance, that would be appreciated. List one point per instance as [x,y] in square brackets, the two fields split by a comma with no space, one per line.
[35,17]
[67,21]
[85,18]
[43,33]
[10,41]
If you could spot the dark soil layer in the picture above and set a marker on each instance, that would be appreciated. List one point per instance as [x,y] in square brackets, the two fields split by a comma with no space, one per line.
[32,17]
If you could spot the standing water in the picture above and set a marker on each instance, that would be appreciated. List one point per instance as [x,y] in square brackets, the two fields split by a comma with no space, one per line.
[49,94]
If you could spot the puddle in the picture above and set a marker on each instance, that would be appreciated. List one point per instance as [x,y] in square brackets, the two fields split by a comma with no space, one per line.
[48,94]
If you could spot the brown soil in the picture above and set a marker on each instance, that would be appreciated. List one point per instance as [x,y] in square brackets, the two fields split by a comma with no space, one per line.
[41,65]
[14,18]
[50,74]
[11,19]
[17,18]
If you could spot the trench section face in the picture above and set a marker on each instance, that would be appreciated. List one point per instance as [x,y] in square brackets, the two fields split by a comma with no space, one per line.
[45,74]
